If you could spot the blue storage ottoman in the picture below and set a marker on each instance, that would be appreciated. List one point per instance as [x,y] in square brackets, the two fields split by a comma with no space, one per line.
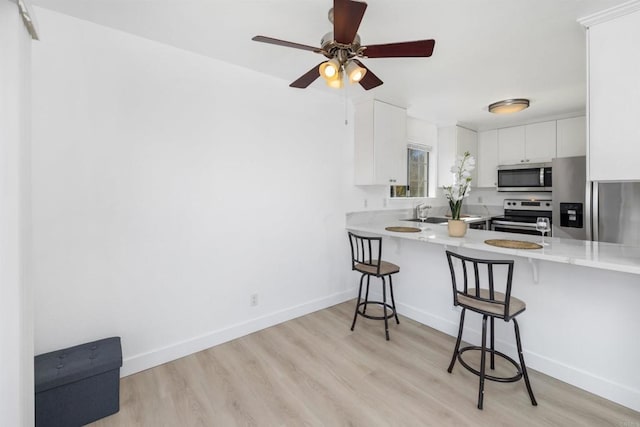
[78,385]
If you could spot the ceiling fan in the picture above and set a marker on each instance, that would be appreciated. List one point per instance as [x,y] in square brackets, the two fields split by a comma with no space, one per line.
[342,47]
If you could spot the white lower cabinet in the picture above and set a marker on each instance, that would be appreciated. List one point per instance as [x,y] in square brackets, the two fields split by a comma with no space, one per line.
[380,144]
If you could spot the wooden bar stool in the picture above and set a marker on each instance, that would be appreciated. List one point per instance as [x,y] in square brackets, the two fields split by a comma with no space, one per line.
[366,258]
[484,299]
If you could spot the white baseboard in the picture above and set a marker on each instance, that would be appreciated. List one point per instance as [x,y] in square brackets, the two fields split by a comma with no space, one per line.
[607,389]
[184,348]
[602,387]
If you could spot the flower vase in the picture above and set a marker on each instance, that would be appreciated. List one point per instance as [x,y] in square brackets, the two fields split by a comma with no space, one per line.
[457,228]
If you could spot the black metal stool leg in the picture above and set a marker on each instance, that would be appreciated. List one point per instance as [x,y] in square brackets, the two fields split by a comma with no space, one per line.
[457,348]
[482,361]
[493,346]
[366,296]
[384,307]
[355,315]
[393,301]
[522,365]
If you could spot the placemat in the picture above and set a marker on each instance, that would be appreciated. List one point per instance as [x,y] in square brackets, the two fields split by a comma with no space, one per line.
[513,244]
[403,229]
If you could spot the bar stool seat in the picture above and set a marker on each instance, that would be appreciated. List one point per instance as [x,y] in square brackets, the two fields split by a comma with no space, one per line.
[370,267]
[366,258]
[491,304]
[516,306]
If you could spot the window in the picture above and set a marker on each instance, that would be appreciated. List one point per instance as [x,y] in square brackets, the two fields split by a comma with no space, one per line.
[417,173]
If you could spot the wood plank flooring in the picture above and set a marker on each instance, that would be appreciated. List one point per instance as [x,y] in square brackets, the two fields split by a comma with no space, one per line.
[313,371]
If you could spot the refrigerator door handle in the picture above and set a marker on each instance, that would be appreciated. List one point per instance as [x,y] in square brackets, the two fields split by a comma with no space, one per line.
[595,206]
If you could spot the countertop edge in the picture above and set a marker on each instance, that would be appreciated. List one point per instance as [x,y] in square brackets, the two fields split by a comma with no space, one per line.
[614,257]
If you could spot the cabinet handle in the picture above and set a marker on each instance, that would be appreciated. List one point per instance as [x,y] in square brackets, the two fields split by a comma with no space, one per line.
[521,161]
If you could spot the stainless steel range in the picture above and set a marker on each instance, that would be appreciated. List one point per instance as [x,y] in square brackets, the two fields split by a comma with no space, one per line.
[520,216]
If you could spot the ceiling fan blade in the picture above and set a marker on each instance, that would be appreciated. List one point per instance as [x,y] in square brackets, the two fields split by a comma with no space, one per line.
[306,79]
[347,15]
[285,43]
[370,80]
[418,48]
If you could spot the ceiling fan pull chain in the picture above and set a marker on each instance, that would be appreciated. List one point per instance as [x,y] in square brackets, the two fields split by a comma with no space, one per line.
[346,106]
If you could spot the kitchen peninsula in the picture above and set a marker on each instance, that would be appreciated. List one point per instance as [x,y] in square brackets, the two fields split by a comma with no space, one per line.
[581,298]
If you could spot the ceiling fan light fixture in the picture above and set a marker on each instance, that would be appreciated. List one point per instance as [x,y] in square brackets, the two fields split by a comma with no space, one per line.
[509,106]
[337,81]
[329,69]
[355,72]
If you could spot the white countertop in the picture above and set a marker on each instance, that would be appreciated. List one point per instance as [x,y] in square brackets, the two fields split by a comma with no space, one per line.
[608,256]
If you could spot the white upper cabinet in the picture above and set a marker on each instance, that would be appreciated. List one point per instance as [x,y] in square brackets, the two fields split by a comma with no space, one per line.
[454,141]
[487,158]
[540,142]
[532,143]
[614,94]
[380,144]
[572,137]
[511,145]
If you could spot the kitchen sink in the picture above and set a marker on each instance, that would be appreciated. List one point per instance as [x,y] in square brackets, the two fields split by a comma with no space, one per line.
[430,220]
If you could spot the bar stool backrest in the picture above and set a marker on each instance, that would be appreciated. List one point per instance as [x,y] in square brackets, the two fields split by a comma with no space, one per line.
[471,275]
[366,251]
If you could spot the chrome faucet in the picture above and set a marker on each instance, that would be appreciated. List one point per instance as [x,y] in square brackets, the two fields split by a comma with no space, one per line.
[422,211]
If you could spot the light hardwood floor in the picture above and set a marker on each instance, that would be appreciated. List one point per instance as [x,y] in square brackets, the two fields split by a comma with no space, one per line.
[314,371]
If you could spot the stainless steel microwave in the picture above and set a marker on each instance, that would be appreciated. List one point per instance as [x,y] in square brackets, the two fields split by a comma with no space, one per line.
[525,177]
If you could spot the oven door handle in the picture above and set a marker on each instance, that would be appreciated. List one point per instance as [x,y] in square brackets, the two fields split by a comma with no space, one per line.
[517,224]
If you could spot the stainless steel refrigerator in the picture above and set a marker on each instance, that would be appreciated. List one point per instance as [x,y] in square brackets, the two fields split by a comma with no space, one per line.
[601,211]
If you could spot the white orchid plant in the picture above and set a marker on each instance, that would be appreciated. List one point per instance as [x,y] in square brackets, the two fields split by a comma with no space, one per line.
[461,186]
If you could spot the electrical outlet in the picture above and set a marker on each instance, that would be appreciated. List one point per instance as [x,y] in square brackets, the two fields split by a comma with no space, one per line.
[254,300]
[366,203]
[384,202]
[479,199]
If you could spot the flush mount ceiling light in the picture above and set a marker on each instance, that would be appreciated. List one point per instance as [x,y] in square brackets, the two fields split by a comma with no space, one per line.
[509,106]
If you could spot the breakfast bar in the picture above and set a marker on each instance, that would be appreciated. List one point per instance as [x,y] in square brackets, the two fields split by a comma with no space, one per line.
[581,318]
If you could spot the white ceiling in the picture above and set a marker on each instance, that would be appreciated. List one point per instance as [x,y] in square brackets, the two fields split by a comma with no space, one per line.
[486,50]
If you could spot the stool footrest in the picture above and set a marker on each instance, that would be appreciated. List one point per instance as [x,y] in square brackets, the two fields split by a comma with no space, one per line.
[514,378]
[391,312]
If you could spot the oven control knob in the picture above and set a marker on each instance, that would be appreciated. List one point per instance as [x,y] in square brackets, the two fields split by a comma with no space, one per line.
[548,204]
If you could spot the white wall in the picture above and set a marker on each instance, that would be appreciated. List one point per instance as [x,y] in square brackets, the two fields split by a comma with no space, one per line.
[169,187]
[16,325]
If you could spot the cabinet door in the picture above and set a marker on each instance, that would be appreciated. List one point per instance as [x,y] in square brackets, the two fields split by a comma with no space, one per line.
[487,158]
[614,94]
[540,142]
[467,140]
[453,142]
[364,173]
[446,155]
[572,137]
[390,146]
[511,145]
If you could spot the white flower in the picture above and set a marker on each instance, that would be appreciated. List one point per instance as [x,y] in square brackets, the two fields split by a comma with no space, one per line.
[461,186]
